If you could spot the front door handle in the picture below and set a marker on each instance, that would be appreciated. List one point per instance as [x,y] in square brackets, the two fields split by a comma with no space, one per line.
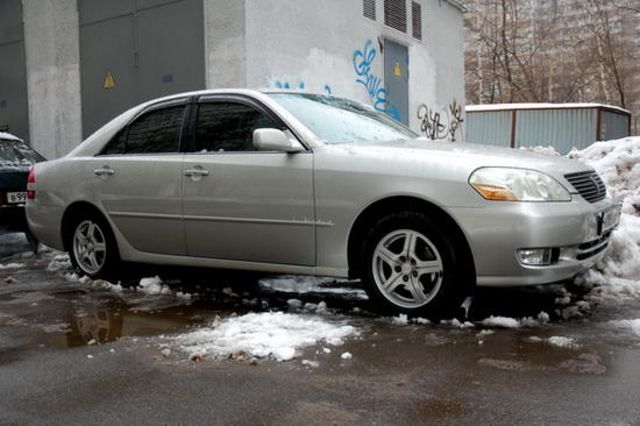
[104,171]
[196,172]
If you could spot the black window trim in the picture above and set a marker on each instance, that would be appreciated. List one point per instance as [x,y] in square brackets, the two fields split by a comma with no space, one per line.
[153,107]
[242,100]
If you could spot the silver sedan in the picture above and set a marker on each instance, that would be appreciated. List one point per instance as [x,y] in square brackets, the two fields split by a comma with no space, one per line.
[311,184]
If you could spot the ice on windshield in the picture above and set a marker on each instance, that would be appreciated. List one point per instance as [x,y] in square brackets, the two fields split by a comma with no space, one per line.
[337,120]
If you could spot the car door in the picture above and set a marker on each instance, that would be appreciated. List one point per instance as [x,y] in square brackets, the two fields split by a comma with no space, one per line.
[138,180]
[240,203]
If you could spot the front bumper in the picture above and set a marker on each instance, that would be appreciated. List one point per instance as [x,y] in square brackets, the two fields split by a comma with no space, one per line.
[496,231]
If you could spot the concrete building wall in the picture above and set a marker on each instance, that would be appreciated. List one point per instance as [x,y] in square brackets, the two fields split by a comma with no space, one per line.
[225,43]
[323,47]
[311,46]
[53,75]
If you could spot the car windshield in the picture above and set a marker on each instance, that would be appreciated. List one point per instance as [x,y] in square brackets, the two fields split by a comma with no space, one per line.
[14,153]
[338,120]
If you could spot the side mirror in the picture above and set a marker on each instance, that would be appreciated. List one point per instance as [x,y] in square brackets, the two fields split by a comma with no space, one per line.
[274,140]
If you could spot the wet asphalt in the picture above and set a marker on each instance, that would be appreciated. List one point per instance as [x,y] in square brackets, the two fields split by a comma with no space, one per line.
[72,353]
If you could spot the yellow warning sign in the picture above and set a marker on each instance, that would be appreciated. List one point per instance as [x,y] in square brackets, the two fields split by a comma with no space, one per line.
[109,81]
[397,71]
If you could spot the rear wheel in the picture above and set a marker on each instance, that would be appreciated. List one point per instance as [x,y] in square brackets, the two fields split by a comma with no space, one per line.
[92,247]
[411,266]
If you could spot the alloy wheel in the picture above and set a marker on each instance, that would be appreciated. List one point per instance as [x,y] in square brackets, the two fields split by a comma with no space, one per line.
[89,247]
[407,268]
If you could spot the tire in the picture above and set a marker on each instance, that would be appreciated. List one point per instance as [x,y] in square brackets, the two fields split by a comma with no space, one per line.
[32,241]
[411,266]
[92,247]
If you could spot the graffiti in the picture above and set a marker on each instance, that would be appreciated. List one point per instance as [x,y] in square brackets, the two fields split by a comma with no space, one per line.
[299,86]
[363,61]
[443,124]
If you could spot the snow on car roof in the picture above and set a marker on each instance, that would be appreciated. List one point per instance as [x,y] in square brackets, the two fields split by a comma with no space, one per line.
[530,106]
[9,136]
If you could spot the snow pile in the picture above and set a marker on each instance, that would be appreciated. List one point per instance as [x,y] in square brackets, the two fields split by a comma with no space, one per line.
[298,305]
[501,322]
[12,265]
[632,325]
[507,322]
[563,342]
[618,163]
[308,284]
[277,335]
[153,286]
[59,262]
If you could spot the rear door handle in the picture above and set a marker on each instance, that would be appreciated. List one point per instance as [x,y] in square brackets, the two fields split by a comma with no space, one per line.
[105,171]
[196,172]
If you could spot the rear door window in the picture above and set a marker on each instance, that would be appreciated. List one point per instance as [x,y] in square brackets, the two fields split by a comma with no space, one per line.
[157,131]
[229,126]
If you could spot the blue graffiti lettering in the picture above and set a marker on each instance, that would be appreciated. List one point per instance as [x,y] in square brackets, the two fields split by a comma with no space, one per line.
[362,63]
[300,86]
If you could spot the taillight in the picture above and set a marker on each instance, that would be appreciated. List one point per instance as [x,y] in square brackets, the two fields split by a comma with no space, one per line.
[31,181]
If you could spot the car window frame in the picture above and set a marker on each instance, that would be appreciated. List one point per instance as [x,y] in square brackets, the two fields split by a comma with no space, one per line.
[186,102]
[191,143]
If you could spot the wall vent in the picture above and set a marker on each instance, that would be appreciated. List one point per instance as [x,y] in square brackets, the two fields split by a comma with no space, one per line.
[395,14]
[369,9]
[416,20]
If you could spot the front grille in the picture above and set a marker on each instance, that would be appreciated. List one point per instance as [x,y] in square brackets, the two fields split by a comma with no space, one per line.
[589,185]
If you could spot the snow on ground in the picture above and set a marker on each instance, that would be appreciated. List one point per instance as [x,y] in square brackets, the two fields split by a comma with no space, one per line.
[276,335]
[304,284]
[507,322]
[153,286]
[557,341]
[501,322]
[632,325]
[563,342]
[12,265]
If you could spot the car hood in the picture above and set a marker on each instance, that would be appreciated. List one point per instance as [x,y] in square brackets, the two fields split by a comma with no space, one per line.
[464,156]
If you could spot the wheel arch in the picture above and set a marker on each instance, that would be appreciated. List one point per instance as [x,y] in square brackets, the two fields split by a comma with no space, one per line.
[389,205]
[72,212]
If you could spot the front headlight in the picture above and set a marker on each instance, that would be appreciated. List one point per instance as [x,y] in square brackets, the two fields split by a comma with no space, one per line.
[504,184]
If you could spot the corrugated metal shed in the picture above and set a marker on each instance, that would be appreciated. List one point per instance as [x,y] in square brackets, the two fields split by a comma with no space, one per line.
[563,126]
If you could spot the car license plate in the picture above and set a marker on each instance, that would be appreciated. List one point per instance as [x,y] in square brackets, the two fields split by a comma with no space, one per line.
[16,197]
[608,219]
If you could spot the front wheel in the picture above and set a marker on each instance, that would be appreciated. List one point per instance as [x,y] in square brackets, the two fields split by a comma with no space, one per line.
[93,249]
[411,266]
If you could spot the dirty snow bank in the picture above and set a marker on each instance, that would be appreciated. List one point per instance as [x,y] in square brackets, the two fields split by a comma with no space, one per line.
[276,335]
[618,163]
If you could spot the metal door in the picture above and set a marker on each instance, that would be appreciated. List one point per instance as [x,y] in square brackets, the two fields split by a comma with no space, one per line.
[107,77]
[396,80]
[171,48]
[14,113]
[135,50]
